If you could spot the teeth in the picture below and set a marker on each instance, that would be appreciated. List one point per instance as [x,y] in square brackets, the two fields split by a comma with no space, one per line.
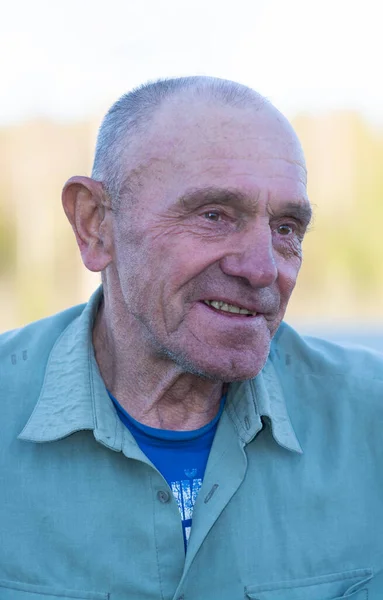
[219,305]
[216,304]
[232,308]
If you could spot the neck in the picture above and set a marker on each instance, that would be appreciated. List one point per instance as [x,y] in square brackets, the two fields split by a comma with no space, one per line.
[153,390]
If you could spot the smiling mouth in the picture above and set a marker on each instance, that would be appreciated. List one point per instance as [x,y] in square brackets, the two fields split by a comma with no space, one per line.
[232,309]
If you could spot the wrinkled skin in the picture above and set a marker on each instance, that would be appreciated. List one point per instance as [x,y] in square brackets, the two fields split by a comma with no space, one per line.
[220,214]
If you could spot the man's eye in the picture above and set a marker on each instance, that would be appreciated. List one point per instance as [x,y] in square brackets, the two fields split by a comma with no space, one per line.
[212,215]
[285,229]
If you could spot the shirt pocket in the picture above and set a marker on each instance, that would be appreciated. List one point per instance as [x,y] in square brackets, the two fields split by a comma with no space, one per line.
[12,590]
[326,587]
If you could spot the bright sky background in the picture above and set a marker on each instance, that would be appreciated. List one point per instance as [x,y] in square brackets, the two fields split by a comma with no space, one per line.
[72,58]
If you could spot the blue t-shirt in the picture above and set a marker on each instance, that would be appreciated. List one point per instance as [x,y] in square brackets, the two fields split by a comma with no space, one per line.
[180,456]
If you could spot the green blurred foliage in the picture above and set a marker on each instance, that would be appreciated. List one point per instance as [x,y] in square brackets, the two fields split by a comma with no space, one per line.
[342,275]
[8,245]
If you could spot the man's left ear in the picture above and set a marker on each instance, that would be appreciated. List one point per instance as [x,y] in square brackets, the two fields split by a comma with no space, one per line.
[87,207]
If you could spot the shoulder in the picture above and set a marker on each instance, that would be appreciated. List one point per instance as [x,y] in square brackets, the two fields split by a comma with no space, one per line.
[330,388]
[24,355]
[316,356]
[42,334]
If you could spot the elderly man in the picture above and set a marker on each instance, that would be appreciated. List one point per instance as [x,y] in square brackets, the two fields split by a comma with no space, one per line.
[172,439]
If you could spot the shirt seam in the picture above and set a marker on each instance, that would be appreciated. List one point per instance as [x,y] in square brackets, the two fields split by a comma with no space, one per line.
[90,374]
[235,419]
[156,544]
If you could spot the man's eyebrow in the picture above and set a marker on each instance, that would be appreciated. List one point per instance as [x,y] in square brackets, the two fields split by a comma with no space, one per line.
[300,211]
[201,196]
[198,197]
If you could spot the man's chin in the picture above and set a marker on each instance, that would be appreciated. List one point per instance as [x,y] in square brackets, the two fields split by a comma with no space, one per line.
[229,369]
[235,374]
[223,364]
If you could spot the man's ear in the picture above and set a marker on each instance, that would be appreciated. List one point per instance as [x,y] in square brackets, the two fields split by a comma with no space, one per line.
[88,209]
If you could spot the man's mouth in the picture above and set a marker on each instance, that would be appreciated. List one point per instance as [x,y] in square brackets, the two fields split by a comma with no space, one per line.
[229,308]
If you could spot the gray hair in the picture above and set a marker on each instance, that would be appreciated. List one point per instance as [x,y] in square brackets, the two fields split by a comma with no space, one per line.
[132,113]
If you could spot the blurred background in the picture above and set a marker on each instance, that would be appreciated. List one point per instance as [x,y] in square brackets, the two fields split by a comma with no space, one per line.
[62,65]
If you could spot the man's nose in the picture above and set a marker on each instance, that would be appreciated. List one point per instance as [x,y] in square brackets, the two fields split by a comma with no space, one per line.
[253,259]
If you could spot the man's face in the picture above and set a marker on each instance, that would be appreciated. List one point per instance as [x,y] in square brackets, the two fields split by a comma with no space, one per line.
[207,257]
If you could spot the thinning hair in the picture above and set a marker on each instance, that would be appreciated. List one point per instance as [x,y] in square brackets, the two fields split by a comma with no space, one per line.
[131,116]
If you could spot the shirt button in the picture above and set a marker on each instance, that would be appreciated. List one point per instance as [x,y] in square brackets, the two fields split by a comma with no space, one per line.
[163,496]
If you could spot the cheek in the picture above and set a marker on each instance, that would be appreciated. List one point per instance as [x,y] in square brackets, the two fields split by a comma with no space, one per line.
[181,257]
[288,272]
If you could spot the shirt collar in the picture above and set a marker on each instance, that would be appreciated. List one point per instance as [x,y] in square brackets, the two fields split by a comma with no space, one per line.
[73,396]
[262,396]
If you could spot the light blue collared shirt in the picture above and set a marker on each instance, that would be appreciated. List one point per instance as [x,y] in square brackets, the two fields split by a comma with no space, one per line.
[291,505]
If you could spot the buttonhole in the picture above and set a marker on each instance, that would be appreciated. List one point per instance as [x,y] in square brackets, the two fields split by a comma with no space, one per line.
[210,494]
[247,422]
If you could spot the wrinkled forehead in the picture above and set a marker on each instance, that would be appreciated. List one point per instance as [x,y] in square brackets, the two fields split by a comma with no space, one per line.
[204,136]
[188,123]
